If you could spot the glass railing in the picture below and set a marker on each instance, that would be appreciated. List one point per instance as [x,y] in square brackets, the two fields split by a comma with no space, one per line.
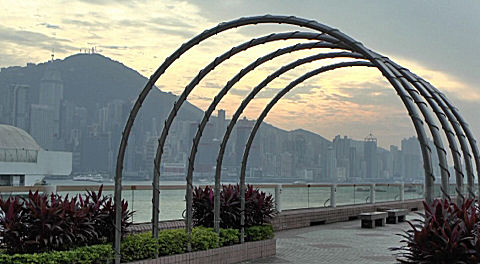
[172,197]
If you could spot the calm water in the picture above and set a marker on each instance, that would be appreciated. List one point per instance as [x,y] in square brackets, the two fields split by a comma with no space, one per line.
[172,202]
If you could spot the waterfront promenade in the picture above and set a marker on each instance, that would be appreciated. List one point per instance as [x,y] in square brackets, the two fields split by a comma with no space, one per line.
[341,242]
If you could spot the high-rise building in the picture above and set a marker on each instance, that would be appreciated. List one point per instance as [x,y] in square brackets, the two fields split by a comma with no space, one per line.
[397,162]
[42,125]
[331,169]
[370,156]
[18,105]
[95,154]
[243,129]
[343,155]
[51,94]
[412,159]
[220,125]
[286,165]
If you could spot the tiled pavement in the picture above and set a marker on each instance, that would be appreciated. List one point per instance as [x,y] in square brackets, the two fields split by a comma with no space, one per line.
[341,242]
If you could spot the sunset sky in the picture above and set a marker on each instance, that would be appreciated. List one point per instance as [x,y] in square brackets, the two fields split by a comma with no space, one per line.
[438,40]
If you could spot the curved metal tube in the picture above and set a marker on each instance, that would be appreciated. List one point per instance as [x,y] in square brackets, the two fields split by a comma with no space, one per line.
[267,109]
[408,102]
[418,124]
[162,68]
[454,117]
[434,130]
[447,127]
[225,90]
[335,33]
[183,97]
[471,140]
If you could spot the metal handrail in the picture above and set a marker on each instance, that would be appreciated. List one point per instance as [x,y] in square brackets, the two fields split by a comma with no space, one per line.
[66,188]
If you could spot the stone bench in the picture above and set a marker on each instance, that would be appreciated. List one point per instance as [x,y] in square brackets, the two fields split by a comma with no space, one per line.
[396,215]
[373,219]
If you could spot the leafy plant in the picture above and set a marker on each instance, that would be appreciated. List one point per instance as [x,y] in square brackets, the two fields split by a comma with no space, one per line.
[446,234]
[259,207]
[97,254]
[229,237]
[204,238]
[257,233]
[173,241]
[101,209]
[203,207]
[43,222]
[139,246]
[12,218]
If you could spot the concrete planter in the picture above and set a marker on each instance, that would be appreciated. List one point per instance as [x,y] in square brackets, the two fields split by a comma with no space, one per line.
[225,255]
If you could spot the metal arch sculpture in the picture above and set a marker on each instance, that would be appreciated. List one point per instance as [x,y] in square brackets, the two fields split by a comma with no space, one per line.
[439,112]
[242,73]
[183,97]
[453,115]
[334,33]
[434,130]
[225,90]
[408,102]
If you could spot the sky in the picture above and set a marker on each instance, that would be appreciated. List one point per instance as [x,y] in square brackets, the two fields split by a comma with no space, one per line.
[437,40]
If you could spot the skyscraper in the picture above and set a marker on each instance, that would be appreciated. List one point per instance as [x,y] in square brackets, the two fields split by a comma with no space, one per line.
[42,126]
[45,116]
[331,169]
[412,159]
[51,94]
[19,106]
[370,155]
[220,125]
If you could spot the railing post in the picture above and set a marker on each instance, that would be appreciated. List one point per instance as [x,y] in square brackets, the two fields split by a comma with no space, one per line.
[402,191]
[333,190]
[278,191]
[372,193]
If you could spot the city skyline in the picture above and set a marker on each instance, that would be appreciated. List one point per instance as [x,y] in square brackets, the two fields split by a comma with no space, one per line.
[354,101]
[92,132]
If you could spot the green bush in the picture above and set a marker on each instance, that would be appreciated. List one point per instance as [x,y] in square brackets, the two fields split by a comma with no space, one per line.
[143,246]
[140,246]
[173,241]
[229,237]
[98,254]
[257,233]
[204,238]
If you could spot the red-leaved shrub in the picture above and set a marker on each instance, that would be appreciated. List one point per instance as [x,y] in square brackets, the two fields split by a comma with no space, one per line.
[42,222]
[259,207]
[446,234]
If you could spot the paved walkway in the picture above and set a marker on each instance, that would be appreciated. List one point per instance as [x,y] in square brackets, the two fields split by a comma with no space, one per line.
[342,242]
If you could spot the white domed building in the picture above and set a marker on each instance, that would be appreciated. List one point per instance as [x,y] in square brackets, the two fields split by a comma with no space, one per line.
[24,163]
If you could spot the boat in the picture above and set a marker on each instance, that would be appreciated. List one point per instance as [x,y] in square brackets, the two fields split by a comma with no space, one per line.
[89,177]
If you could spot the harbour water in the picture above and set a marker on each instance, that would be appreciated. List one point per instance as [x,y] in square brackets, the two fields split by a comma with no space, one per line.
[172,202]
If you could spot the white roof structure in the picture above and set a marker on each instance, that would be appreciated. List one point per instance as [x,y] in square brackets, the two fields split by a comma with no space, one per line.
[16,145]
[24,162]
[15,138]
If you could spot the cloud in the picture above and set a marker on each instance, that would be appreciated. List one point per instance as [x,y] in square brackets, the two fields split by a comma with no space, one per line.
[33,39]
[106,2]
[171,22]
[92,24]
[49,26]
[114,47]
[176,32]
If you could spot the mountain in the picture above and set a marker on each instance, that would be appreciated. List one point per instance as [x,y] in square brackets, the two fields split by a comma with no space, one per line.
[93,80]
